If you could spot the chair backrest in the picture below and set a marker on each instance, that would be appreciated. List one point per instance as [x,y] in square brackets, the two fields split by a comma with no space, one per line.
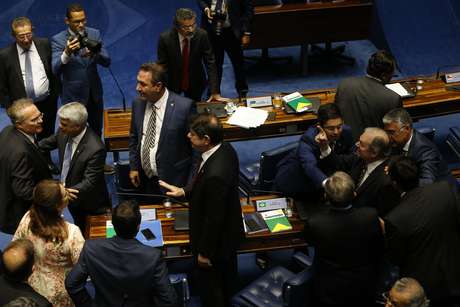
[122,181]
[269,160]
[296,291]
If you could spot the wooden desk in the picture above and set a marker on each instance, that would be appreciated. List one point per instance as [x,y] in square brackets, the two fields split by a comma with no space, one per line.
[262,241]
[432,100]
[300,23]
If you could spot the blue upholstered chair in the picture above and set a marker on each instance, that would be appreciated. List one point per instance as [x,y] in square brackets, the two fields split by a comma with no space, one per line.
[278,287]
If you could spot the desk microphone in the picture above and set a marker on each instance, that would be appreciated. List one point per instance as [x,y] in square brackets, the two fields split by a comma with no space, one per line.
[164,197]
[441,67]
[119,88]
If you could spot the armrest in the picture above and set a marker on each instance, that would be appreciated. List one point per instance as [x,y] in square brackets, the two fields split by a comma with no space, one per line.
[303,260]
[252,299]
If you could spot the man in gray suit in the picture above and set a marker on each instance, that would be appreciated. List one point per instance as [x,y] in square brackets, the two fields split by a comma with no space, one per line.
[363,101]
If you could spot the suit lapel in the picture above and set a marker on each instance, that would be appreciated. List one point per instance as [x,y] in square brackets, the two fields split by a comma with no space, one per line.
[372,177]
[170,106]
[176,47]
[42,53]
[14,56]
[80,148]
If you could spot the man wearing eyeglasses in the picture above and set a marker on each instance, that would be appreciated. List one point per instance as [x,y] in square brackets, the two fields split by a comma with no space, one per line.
[183,50]
[25,72]
[22,165]
[406,141]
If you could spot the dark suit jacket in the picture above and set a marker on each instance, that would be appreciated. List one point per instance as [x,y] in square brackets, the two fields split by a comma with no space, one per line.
[169,54]
[10,290]
[363,101]
[216,225]
[11,81]
[423,238]
[22,166]
[300,171]
[430,162]
[348,252]
[240,13]
[124,273]
[376,191]
[173,156]
[86,171]
[79,75]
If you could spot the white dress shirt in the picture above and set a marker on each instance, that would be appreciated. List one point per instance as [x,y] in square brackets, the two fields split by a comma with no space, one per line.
[41,82]
[160,106]
[76,140]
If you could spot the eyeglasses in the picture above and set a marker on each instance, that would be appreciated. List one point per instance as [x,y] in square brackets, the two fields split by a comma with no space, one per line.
[333,128]
[395,132]
[37,119]
[24,36]
[186,27]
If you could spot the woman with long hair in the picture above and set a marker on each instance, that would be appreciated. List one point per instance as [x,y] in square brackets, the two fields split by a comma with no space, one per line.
[57,243]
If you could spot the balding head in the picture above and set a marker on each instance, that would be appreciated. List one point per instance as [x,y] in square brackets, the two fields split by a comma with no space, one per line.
[373,144]
[18,260]
[407,292]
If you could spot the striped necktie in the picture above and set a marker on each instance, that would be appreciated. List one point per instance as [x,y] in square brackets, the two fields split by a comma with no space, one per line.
[149,142]
[29,79]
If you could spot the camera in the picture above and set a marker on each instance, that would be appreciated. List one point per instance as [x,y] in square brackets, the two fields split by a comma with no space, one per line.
[93,46]
[219,17]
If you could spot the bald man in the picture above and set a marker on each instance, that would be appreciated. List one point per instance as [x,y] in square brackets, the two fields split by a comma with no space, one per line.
[407,292]
[367,168]
[18,262]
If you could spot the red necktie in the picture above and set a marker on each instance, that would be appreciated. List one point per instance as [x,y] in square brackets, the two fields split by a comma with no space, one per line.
[185,65]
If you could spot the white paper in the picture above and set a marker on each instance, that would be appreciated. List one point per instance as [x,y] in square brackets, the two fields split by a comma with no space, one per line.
[292,96]
[148,214]
[398,89]
[248,117]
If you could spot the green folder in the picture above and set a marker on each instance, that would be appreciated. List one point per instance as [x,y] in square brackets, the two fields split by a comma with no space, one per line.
[300,104]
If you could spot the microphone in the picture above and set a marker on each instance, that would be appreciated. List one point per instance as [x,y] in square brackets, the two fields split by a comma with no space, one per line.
[119,88]
[165,197]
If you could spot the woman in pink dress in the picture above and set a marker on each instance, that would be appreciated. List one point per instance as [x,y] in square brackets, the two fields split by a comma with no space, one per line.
[57,243]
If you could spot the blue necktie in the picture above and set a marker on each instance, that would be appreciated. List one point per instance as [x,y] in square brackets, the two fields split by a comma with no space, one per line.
[67,159]
[29,76]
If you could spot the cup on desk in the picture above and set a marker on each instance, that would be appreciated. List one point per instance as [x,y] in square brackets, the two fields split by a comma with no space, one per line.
[277,101]
[230,108]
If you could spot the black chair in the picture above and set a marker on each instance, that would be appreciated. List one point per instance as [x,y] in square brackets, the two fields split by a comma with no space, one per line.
[453,140]
[122,182]
[428,132]
[279,287]
[260,175]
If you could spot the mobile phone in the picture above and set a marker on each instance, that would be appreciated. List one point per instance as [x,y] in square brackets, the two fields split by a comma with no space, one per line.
[148,234]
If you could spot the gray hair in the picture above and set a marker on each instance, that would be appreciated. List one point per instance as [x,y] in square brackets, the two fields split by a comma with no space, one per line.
[75,112]
[183,14]
[340,188]
[414,292]
[398,115]
[16,110]
[380,141]
[22,301]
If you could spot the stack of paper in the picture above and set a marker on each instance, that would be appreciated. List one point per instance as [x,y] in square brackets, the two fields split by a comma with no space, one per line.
[398,89]
[248,117]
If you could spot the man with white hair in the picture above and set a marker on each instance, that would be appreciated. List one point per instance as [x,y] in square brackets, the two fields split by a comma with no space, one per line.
[22,165]
[81,158]
[406,292]
[367,168]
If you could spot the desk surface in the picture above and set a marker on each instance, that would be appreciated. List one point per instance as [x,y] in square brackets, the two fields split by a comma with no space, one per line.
[262,241]
[432,100]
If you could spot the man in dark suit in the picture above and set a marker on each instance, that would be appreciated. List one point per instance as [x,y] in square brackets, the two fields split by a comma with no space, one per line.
[299,173]
[183,50]
[406,141]
[422,233]
[124,271]
[25,71]
[18,262]
[348,245]
[81,158]
[364,101]
[228,23]
[216,226]
[77,65]
[22,165]
[366,167]
[158,145]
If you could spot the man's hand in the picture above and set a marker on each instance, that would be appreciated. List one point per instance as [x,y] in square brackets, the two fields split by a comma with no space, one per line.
[134,177]
[173,190]
[72,194]
[245,40]
[207,11]
[321,138]
[204,262]
[72,46]
[382,225]
[217,97]
[86,53]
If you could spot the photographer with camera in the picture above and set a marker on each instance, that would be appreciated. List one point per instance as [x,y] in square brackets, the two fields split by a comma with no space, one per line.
[228,25]
[76,52]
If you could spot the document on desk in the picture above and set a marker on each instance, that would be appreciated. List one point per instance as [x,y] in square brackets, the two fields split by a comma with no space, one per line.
[248,117]
[148,214]
[399,89]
